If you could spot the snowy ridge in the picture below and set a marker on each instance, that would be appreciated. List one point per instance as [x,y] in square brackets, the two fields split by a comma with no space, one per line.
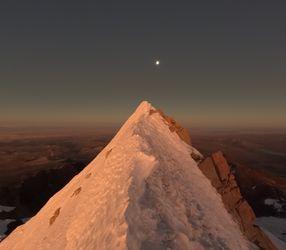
[143,191]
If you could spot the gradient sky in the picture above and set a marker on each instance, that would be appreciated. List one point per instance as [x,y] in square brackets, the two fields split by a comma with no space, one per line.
[223,62]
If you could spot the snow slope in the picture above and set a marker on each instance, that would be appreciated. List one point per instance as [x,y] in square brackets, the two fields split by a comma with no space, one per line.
[143,191]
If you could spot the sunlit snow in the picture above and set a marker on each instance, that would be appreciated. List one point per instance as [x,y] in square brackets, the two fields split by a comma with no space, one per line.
[143,191]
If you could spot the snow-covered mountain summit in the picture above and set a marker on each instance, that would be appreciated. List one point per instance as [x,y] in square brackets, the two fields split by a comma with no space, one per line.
[143,191]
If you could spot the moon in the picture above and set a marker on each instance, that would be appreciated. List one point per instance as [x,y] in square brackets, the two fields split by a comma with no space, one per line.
[157,62]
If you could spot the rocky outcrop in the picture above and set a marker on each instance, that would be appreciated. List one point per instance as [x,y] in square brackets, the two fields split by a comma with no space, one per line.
[217,170]
[174,126]
[265,193]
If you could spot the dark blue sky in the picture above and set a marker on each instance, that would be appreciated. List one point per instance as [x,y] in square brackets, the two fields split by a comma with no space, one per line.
[223,63]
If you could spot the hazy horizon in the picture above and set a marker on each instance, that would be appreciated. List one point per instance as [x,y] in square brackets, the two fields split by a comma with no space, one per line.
[222,63]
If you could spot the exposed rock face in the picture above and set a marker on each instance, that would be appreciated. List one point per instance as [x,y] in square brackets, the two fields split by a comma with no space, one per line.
[183,133]
[219,173]
[258,187]
[174,126]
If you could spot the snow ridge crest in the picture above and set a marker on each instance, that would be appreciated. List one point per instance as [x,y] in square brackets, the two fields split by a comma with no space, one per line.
[143,191]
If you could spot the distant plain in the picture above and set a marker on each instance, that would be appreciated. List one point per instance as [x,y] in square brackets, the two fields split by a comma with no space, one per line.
[25,151]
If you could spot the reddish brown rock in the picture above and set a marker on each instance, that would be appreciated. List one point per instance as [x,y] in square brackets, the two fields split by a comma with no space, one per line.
[257,185]
[196,157]
[217,170]
[174,126]
[208,168]
[246,214]
[232,181]
[231,197]
[221,165]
